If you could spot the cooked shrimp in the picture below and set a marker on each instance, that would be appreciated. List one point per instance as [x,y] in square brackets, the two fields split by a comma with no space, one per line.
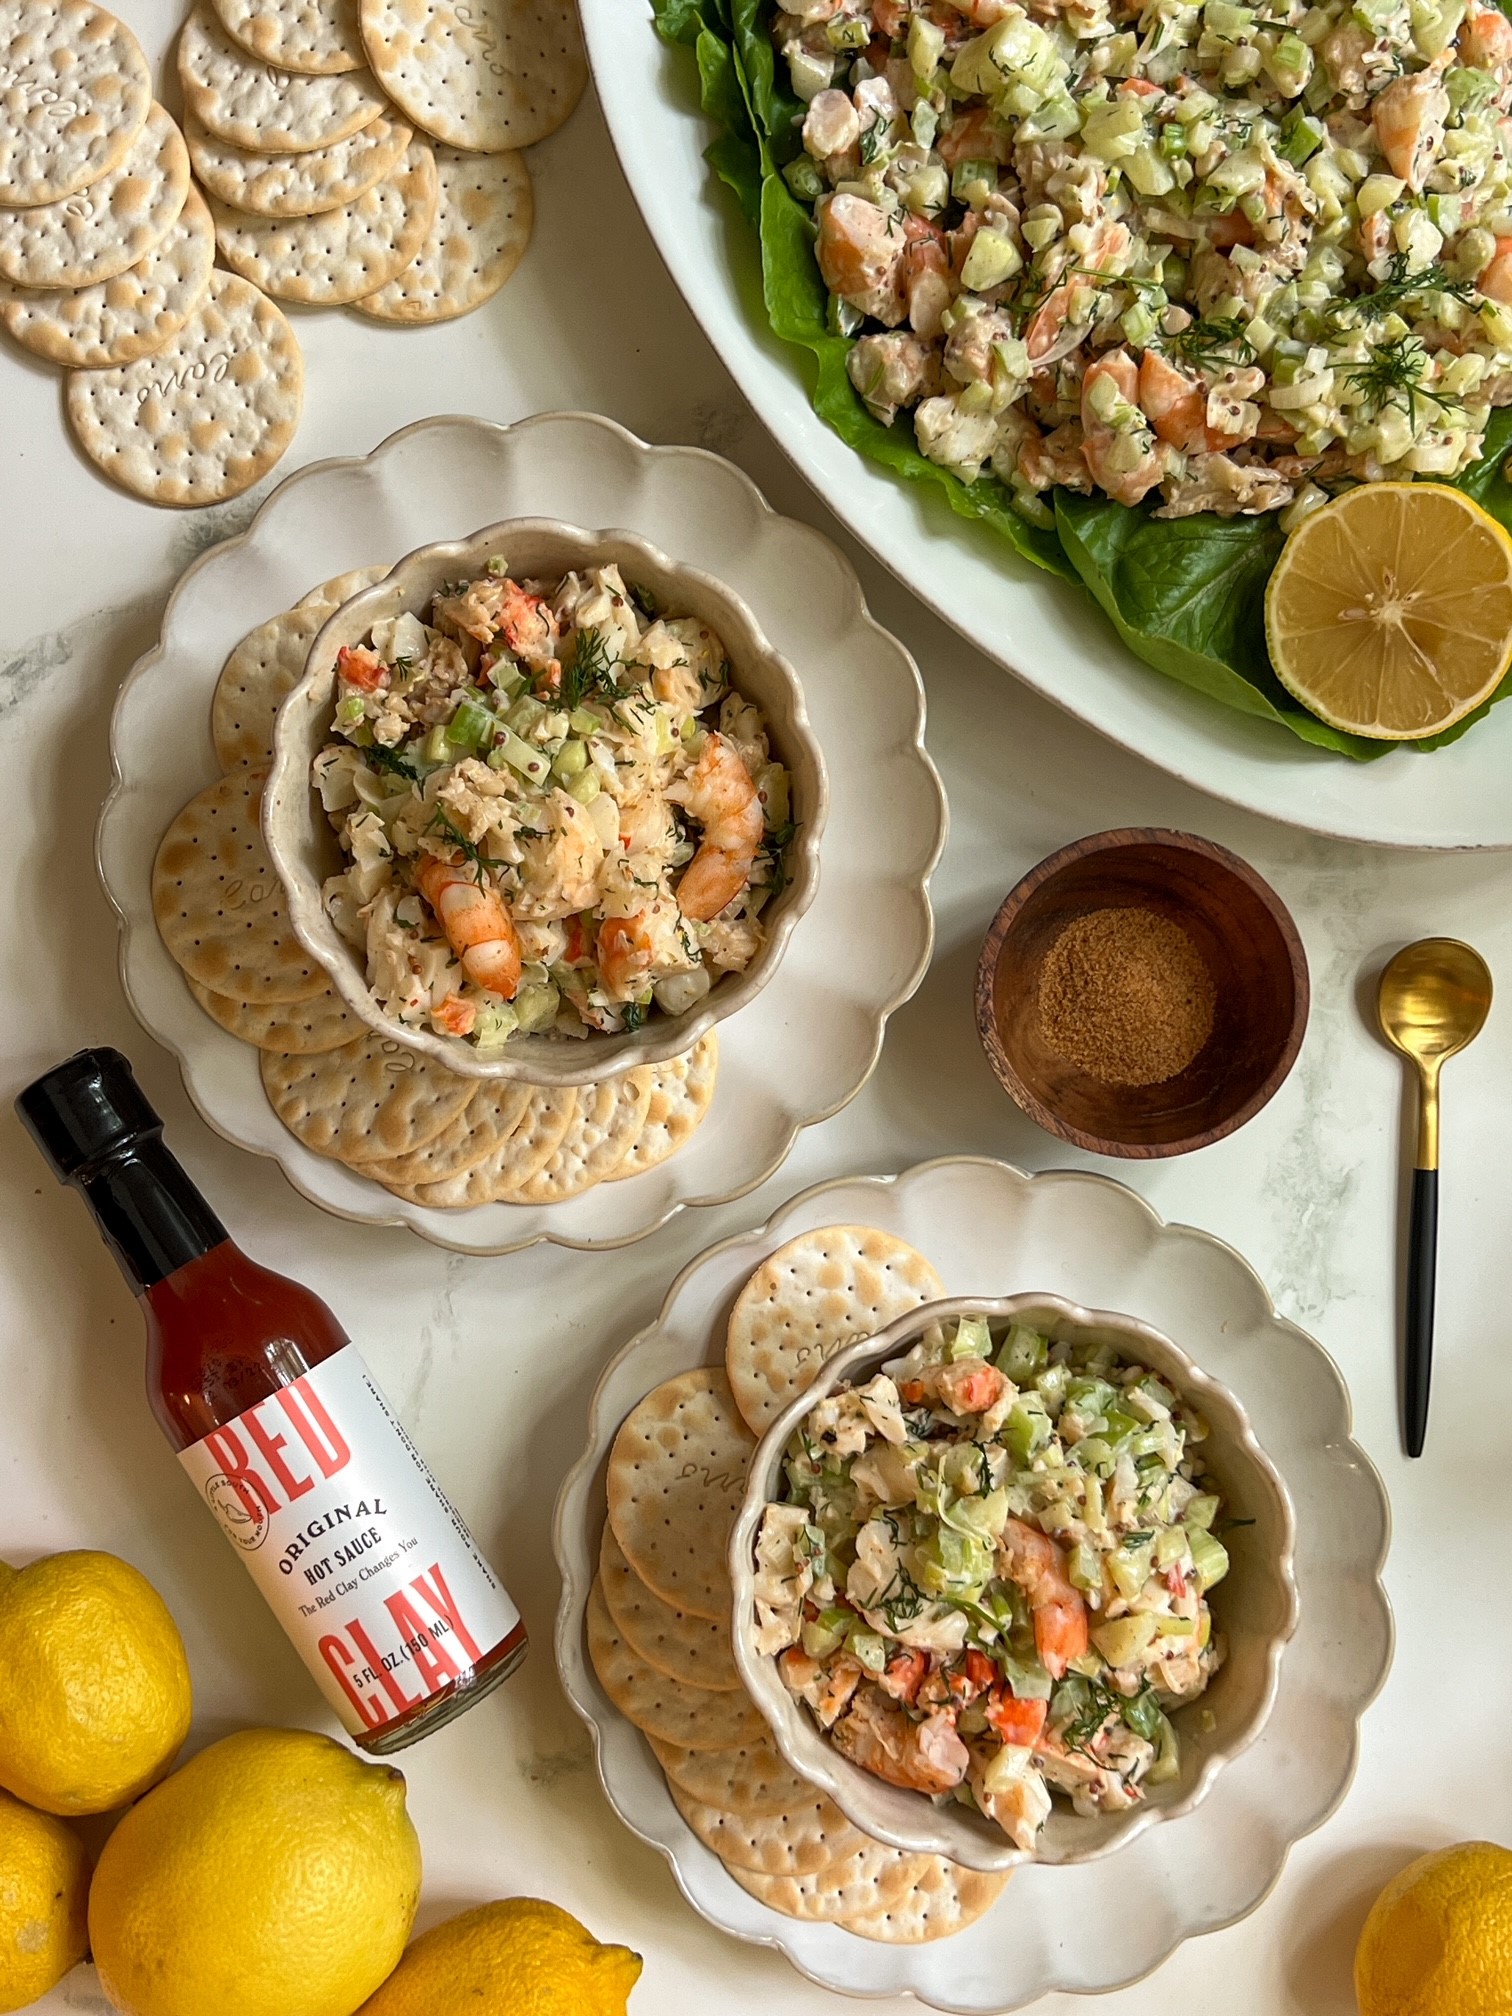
[1495,281]
[977,135]
[983,13]
[860,251]
[1175,403]
[925,1756]
[1409,118]
[925,279]
[831,125]
[1485,41]
[361,669]
[1120,451]
[1035,1563]
[1063,318]
[1056,457]
[456,1015]
[626,954]
[1017,1722]
[903,1675]
[826,1689]
[722,797]
[477,924]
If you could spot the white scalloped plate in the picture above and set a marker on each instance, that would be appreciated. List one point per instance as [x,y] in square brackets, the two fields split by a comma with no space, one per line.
[858,954]
[991,1230]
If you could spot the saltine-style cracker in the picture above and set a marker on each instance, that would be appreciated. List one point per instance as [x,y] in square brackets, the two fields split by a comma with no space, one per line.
[319,37]
[658,1705]
[75,91]
[298,185]
[482,227]
[695,1650]
[480,74]
[370,1099]
[238,99]
[91,236]
[324,1022]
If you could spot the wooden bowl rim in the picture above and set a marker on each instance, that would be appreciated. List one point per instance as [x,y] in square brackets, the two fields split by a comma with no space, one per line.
[1118,839]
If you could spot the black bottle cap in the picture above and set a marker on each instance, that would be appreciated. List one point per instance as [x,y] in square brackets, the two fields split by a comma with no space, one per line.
[84,1110]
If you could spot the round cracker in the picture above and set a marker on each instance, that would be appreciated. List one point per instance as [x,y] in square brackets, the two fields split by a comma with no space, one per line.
[130,316]
[482,226]
[267,111]
[218,904]
[943,1901]
[483,75]
[604,1128]
[694,1717]
[806,1836]
[869,1879]
[820,1291]
[695,1650]
[83,239]
[298,185]
[370,1099]
[485,1123]
[747,1778]
[338,255]
[681,1093]
[324,1022]
[319,37]
[342,587]
[256,680]
[676,1475]
[75,91]
[513,1162]
[205,417]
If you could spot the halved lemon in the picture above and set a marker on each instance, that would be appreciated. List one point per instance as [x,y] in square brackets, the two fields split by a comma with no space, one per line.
[1389,612]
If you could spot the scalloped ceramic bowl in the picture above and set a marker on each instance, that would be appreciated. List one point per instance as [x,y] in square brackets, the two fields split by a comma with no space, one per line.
[304,848]
[1256,1607]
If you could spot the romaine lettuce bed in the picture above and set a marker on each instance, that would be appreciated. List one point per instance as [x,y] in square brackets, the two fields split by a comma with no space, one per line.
[1184,594]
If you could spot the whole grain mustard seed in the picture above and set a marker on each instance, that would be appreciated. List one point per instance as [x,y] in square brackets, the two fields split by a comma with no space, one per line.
[1125,996]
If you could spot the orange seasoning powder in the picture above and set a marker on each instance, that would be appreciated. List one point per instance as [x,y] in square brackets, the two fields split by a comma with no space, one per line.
[1125,996]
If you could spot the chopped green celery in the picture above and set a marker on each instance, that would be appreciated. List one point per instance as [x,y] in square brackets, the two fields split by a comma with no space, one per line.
[1167,1763]
[1054,118]
[1026,1676]
[1469,90]
[980,1518]
[1229,22]
[1142,1713]
[434,748]
[1051,1385]
[506,678]
[1120,1426]
[1203,1510]
[993,258]
[926,45]
[1139,325]
[472,726]
[1173,141]
[1122,1639]
[586,721]
[537,1008]
[496,1023]
[805,178]
[1026,1430]
[952,1561]
[1094,1454]
[1210,1561]
[1301,136]
[571,760]
[1175,1627]
[1084,1567]
[1023,1354]
[973,181]
[774,790]
[534,765]
[819,1642]
[1170,1546]
[526,713]
[1089,1398]
[836,1618]
[867,1646]
[973,1339]
[585,787]
[842,34]
[1130,1568]
[350,711]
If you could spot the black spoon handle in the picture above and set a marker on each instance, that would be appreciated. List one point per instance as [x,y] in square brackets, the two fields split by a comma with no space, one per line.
[1422,1262]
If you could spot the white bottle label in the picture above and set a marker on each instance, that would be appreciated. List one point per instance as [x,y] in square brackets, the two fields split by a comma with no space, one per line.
[346,1533]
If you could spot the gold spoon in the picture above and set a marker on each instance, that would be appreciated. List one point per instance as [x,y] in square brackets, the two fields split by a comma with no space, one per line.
[1434,998]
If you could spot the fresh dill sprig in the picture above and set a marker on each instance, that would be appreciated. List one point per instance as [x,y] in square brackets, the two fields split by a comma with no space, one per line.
[591,671]
[440,823]
[1400,286]
[873,140]
[380,758]
[1392,375]
[637,1014]
[1217,340]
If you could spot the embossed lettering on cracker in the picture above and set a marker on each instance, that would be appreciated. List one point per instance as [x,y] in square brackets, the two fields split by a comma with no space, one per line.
[75,91]
[91,236]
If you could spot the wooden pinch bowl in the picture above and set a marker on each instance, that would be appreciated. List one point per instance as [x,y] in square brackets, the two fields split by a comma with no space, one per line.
[1248,942]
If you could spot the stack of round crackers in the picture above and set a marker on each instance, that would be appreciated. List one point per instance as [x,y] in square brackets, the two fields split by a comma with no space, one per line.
[425,1133]
[184,384]
[658,1617]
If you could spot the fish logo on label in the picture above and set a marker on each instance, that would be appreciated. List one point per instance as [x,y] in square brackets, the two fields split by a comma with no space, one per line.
[486,39]
[242,1520]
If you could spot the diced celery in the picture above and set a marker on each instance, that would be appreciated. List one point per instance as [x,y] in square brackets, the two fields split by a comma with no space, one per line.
[534,765]
[1130,1568]
[472,726]
[869,1647]
[495,1025]
[1167,1763]
[973,181]
[526,713]
[1170,1547]
[926,45]
[536,1007]
[586,787]
[1051,1385]
[1090,1398]
[991,259]
[350,711]
[972,1339]
[773,790]
[1023,1354]
[1122,1639]
[1203,1510]
[1469,90]
[1301,136]
[584,721]
[1084,1567]
[571,760]
[805,178]
[1026,1430]
[1121,1426]
[820,1642]
[1175,1627]
[1210,1561]
[434,748]
[1026,1676]
[843,34]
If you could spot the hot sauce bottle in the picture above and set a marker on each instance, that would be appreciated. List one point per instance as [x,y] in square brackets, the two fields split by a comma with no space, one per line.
[282,1431]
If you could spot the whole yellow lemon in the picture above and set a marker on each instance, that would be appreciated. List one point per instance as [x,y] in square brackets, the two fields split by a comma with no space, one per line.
[44,1883]
[522,1957]
[94,1685]
[276,1874]
[1438,1941]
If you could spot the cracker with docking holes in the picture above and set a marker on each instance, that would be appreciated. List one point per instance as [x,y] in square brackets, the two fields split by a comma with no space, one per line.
[516,1159]
[492,1115]
[371,1098]
[261,673]
[695,1650]
[694,1717]
[75,91]
[298,185]
[342,587]
[324,1022]
[217,902]
[132,315]
[676,1474]
[681,1093]
[871,1878]
[320,37]
[338,255]
[83,239]
[804,1838]
[205,417]
[479,236]
[746,1778]
[820,1291]
[941,1902]
[609,1116]
[236,98]
[483,75]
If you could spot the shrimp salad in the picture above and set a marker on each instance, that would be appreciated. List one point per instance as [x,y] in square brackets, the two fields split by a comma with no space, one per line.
[988,1575]
[1218,255]
[558,814]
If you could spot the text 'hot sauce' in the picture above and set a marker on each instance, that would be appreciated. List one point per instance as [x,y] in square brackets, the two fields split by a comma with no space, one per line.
[293,1448]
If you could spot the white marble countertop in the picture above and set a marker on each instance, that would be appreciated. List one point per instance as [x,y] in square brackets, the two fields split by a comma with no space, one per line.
[492,1361]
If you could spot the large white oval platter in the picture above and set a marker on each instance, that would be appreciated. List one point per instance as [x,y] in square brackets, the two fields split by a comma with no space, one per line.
[1051,635]
[857,954]
[992,1230]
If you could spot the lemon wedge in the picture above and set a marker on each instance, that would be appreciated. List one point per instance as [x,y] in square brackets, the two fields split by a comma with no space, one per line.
[1389,612]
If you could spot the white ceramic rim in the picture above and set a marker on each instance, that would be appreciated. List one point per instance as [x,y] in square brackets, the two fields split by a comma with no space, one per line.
[947,1830]
[290,812]
[577,1552]
[133,909]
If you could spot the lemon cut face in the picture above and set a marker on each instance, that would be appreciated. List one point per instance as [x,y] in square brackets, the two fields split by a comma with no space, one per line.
[1389,613]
